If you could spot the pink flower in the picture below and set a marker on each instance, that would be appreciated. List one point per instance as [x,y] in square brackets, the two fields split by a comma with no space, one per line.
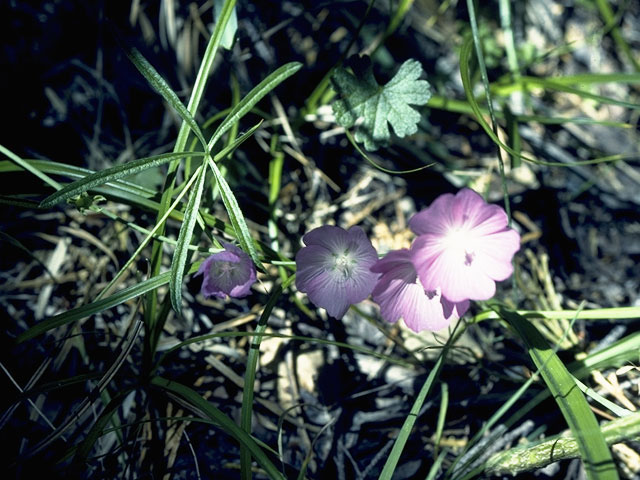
[400,295]
[463,247]
[333,269]
[227,273]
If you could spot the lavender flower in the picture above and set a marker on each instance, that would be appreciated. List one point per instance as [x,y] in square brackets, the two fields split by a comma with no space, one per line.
[333,269]
[227,273]
[463,247]
[400,295]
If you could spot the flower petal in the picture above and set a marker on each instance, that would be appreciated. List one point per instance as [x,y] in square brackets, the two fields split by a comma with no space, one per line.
[333,269]
[227,273]
[435,219]
[400,296]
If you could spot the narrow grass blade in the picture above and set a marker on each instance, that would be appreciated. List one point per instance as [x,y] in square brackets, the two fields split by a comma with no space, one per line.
[531,457]
[485,81]
[562,87]
[97,428]
[180,256]
[235,214]
[507,86]
[148,238]
[250,374]
[98,306]
[592,446]
[405,431]
[163,88]
[183,135]
[195,401]
[111,174]
[465,74]
[253,97]
[380,167]
[29,167]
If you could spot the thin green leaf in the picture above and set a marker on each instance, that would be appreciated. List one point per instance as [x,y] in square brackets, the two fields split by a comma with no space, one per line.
[250,374]
[562,87]
[111,174]
[195,401]
[29,167]
[465,57]
[379,167]
[253,97]
[183,135]
[98,306]
[531,457]
[181,254]
[485,82]
[97,428]
[235,214]
[191,214]
[147,239]
[163,88]
[574,407]
[407,426]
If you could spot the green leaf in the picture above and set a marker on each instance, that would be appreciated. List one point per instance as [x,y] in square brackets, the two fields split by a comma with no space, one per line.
[184,239]
[29,167]
[196,402]
[229,33]
[539,454]
[362,96]
[92,308]
[235,214]
[394,456]
[163,88]
[592,446]
[254,96]
[246,414]
[110,174]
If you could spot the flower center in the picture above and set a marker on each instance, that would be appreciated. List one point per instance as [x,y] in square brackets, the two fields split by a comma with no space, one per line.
[222,268]
[457,241]
[343,264]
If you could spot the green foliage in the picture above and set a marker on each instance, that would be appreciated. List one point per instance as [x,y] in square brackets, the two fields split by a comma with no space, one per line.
[362,96]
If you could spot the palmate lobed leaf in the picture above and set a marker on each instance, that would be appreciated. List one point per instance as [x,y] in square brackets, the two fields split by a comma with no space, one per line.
[362,97]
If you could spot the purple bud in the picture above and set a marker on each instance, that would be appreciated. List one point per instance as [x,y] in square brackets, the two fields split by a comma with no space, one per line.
[227,273]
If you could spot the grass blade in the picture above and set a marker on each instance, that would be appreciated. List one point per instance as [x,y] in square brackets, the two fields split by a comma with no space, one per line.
[194,400]
[253,97]
[111,174]
[29,167]
[465,74]
[98,306]
[181,143]
[163,88]
[180,256]
[403,436]
[531,457]
[574,407]
[250,374]
[235,214]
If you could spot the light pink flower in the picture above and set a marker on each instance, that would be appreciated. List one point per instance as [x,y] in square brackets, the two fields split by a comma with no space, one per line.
[333,269]
[227,273]
[401,295]
[463,247]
